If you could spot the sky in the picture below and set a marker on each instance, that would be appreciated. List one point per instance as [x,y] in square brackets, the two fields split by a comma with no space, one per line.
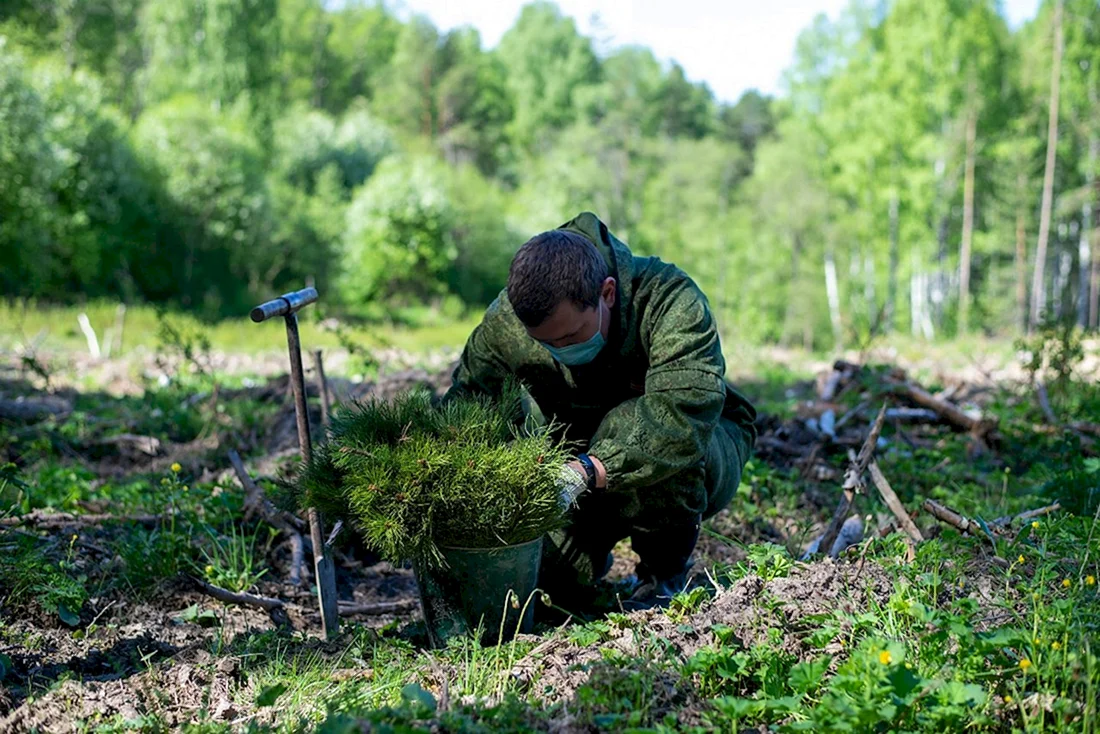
[732,45]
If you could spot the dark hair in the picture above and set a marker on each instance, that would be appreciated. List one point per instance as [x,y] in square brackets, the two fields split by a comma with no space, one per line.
[553,267]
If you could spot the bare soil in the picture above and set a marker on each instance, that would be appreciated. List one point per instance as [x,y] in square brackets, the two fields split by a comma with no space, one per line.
[139,659]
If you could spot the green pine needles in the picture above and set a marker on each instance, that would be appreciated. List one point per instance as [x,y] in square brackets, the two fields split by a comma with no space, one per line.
[414,478]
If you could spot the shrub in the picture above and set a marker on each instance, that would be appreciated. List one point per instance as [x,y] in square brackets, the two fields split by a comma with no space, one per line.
[414,478]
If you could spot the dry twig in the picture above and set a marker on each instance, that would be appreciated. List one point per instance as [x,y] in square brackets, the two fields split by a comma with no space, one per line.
[379,608]
[255,501]
[963,524]
[853,481]
[1028,515]
[274,607]
[55,520]
[892,501]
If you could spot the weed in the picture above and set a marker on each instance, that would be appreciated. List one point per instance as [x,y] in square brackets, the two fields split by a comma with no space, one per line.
[231,562]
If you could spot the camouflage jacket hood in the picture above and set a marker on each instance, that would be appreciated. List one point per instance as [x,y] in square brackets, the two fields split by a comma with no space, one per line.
[647,405]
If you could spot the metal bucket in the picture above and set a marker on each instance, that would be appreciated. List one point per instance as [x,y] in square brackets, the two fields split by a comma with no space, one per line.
[486,587]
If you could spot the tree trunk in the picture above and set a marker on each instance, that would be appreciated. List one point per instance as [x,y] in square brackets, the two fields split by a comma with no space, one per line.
[968,216]
[792,298]
[938,291]
[1089,227]
[1084,262]
[833,294]
[1061,283]
[1037,291]
[869,290]
[1021,268]
[892,275]
[1094,289]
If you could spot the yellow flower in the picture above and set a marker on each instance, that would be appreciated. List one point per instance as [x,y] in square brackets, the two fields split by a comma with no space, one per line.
[1056,645]
[1020,559]
[209,570]
[1067,583]
[1090,580]
[1025,664]
[1035,524]
[1008,699]
[885,657]
[1037,641]
[186,488]
[176,467]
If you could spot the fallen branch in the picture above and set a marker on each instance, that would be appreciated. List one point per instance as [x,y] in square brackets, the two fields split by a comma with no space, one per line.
[322,385]
[29,410]
[914,415]
[892,501]
[948,516]
[779,445]
[838,379]
[297,554]
[853,481]
[979,427]
[145,444]
[253,495]
[255,500]
[390,607]
[274,607]
[1028,515]
[54,520]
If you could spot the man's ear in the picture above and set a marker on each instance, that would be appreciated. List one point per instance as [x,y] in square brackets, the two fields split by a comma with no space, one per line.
[609,292]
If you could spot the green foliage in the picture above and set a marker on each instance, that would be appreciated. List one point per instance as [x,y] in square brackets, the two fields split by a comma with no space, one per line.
[414,478]
[548,61]
[1052,354]
[211,153]
[29,573]
[231,561]
[398,237]
[212,173]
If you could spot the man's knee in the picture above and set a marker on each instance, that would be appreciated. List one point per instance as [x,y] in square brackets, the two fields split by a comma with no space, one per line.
[727,453]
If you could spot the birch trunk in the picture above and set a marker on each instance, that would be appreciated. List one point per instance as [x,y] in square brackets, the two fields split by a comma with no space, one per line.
[1021,269]
[832,291]
[892,275]
[968,216]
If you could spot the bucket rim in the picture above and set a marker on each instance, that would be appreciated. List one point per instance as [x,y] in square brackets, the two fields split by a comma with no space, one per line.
[494,548]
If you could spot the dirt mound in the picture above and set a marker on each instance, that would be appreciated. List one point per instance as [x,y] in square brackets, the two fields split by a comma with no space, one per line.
[750,608]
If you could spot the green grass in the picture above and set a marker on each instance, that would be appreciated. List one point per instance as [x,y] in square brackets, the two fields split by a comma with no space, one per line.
[55,328]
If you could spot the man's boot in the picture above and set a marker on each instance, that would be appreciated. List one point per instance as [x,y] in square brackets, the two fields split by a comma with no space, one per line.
[662,572]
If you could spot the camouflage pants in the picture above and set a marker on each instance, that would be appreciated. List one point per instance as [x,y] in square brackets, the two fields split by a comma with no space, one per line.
[663,534]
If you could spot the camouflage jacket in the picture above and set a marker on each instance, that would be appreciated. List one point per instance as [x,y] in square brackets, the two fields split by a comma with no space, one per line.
[646,407]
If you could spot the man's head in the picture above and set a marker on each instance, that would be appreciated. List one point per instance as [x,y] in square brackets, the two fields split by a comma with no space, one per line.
[560,289]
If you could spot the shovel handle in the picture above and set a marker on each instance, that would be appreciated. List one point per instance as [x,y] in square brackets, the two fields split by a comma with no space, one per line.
[287,303]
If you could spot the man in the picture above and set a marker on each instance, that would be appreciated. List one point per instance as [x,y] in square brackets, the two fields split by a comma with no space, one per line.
[624,352]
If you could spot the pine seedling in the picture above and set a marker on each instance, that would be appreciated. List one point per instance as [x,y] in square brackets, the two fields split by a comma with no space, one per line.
[414,478]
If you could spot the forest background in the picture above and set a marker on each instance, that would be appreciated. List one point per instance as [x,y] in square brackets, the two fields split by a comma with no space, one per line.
[926,170]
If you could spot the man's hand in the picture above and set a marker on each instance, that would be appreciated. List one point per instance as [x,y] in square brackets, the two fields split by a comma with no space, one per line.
[601,473]
[571,484]
[574,480]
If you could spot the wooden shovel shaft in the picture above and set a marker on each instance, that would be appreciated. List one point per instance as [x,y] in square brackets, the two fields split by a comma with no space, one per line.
[288,306]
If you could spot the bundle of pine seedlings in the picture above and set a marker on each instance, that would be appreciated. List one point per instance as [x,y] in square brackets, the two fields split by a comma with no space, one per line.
[414,478]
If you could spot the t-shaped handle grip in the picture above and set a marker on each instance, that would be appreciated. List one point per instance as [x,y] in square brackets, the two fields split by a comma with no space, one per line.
[285,304]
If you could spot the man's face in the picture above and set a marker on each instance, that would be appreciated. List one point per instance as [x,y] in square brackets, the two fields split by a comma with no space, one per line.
[569,324]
